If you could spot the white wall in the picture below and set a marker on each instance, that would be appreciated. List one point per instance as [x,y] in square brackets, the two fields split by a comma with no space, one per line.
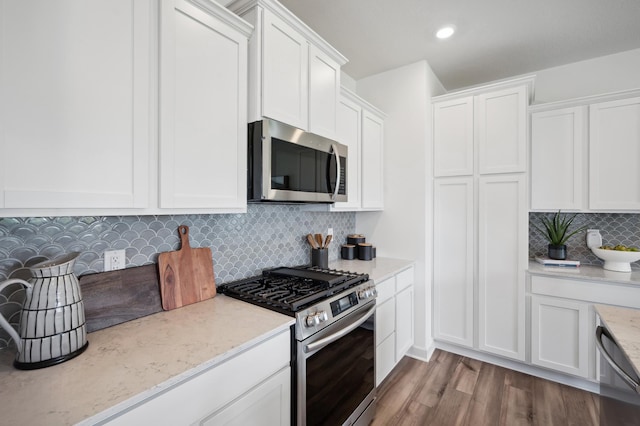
[606,74]
[403,229]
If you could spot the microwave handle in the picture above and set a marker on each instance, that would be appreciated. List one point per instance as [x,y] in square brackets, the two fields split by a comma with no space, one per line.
[335,153]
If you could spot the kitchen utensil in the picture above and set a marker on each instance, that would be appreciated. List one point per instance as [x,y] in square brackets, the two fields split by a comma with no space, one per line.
[115,297]
[319,240]
[52,323]
[186,275]
[312,242]
[327,241]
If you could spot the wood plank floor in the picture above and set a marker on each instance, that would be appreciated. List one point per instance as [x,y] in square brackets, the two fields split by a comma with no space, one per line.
[455,390]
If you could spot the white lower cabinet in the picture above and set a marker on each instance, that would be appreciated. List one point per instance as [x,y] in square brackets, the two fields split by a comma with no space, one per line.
[560,335]
[394,321]
[253,387]
[563,320]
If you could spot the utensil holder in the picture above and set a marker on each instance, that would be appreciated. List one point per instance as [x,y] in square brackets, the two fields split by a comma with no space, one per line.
[320,258]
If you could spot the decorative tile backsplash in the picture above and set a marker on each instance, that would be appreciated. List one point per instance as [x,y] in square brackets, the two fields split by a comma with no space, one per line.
[615,228]
[242,245]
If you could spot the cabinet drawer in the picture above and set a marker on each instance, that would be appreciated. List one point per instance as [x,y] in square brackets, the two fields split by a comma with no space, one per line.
[404,279]
[591,291]
[386,289]
[385,320]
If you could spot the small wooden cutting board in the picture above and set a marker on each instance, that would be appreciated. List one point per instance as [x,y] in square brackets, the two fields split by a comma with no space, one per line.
[186,275]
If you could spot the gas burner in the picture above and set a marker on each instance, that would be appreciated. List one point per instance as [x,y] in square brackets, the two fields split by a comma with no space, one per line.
[290,289]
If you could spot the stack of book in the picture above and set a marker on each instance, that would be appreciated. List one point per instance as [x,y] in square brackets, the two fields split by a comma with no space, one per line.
[553,262]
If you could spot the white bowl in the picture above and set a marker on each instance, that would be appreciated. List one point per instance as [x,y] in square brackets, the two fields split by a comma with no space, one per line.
[616,260]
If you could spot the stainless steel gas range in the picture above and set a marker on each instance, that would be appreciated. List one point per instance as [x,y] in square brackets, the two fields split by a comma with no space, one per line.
[333,340]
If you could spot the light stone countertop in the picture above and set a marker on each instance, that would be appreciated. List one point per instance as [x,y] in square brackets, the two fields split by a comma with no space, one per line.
[586,272]
[131,362]
[624,324]
[379,269]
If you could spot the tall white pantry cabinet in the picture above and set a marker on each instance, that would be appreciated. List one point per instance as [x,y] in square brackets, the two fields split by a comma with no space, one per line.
[481,218]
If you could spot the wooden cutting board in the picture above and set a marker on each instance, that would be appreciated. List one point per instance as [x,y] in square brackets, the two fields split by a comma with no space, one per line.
[115,297]
[186,275]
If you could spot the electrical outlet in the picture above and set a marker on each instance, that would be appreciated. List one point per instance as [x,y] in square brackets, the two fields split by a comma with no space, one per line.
[330,231]
[114,260]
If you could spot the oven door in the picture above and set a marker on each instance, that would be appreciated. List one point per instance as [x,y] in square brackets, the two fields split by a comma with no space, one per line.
[336,372]
[619,384]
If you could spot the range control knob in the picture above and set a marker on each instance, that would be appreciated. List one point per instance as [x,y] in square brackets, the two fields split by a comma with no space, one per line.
[368,292]
[315,319]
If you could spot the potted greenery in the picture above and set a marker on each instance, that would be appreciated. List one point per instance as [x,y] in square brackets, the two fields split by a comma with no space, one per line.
[556,230]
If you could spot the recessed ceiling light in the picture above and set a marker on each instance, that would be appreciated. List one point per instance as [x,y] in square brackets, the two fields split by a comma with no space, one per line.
[445,32]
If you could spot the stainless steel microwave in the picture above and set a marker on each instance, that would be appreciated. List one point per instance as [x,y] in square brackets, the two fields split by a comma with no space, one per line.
[290,165]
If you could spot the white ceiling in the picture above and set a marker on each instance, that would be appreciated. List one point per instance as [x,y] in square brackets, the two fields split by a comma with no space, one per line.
[495,39]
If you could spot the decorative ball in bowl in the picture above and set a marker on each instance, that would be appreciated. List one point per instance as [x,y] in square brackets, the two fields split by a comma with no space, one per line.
[617,258]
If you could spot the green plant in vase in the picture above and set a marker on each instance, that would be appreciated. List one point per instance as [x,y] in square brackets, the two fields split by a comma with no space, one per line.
[556,231]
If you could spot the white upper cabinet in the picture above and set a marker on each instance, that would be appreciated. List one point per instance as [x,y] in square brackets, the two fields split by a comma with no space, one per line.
[557,158]
[453,137]
[79,117]
[285,79]
[324,93]
[361,128]
[350,134]
[294,75]
[614,155]
[502,130]
[584,153]
[203,103]
[372,161]
[74,105]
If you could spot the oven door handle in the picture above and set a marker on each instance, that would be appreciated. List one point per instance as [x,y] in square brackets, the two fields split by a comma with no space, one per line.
[315,346]
[599,332]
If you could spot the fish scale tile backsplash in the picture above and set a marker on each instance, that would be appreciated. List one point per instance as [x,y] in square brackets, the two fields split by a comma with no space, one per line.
[242,245]
[615,228]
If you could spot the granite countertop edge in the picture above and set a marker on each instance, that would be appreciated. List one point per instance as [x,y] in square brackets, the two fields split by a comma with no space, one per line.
[586,272]
[624,325]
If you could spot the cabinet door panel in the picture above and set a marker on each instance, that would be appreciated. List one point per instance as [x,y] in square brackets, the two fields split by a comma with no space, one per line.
[385,320]
[75,104]
[560,335]
[614,155]
[349,133]
[372,162]
[404,322]
[324,93]
[203,111]
[385,358]
[285,73]
[453,137]
[453,260]
[557,146]
[502,131]
[267,404]
[502,244]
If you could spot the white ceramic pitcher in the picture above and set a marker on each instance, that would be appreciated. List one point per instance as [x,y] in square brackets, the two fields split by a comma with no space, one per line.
[52,324]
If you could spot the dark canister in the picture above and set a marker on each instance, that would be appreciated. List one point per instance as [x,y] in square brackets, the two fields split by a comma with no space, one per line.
[355,239]
[365,251]
[348,251]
